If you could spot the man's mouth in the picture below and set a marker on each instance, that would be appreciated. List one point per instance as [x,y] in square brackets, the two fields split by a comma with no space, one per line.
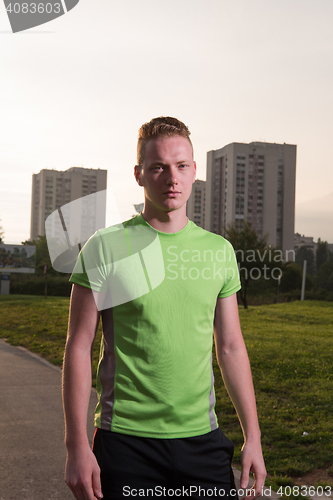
[172,193]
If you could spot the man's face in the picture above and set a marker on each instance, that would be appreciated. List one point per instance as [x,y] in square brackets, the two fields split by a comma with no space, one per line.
[167,173]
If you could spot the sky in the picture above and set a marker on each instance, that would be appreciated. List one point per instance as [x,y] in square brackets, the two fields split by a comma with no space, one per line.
[74,91]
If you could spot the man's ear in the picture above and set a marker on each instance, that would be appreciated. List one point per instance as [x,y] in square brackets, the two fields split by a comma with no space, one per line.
[137,174]
[195,171]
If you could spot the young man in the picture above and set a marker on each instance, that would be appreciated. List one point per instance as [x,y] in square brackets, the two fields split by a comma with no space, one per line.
[162,286]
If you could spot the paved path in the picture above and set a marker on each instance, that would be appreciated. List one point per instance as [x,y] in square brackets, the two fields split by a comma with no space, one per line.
[32,451]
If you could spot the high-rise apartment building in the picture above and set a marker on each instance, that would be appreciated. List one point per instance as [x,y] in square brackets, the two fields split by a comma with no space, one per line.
[256,182]
[195,207]
[51,189]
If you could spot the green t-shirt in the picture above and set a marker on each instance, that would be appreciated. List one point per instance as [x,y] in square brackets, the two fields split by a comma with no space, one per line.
[157,294]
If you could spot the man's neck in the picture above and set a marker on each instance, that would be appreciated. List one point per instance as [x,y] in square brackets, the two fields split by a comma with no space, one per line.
[167,222]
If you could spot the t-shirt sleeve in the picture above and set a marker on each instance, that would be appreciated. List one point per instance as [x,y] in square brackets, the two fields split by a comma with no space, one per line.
[231,283]
[89,270]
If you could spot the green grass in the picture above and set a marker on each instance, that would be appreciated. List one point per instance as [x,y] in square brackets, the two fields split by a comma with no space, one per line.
[40,325]
[290,349]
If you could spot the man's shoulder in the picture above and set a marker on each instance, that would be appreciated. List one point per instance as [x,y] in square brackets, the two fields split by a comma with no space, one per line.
[209,237]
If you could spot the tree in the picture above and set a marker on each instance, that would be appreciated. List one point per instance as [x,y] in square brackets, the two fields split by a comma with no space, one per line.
[1,232]
[252,253]
[292,277]
[303,253]
[322,254]
[325,276]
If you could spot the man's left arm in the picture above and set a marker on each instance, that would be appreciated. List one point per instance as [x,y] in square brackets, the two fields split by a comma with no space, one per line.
[235,368]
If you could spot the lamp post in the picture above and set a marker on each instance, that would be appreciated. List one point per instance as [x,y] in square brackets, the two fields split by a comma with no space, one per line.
[303,280]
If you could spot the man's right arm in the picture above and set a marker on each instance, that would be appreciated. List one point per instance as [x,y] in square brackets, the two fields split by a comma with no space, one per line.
[82,470]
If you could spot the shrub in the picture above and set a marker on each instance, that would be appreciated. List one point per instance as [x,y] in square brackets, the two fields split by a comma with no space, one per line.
[35,285]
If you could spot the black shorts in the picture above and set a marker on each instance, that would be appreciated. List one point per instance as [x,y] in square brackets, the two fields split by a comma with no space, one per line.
[196,467]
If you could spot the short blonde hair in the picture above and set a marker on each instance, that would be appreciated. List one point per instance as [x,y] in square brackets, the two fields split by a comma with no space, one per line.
[163,126]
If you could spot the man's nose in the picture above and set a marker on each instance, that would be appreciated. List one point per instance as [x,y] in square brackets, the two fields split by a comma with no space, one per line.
[172,176]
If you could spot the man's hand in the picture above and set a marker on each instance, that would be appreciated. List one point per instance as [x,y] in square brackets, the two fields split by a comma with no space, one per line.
[82,475]
[252,460]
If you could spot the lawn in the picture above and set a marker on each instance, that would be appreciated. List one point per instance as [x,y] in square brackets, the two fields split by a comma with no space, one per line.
[40,325]
[290,349]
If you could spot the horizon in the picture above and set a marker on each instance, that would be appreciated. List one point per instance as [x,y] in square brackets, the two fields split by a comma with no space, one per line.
[131,208]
